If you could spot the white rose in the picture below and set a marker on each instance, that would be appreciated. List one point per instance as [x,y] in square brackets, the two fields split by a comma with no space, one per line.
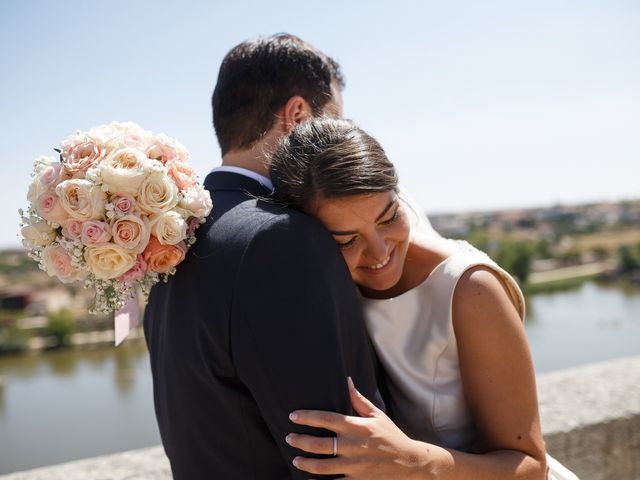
[169,227]
[81,199]
[158,193]
[197,201]
[43,162]
[117,134]
[109,261]
[123,171]
[35,190]
[39,234]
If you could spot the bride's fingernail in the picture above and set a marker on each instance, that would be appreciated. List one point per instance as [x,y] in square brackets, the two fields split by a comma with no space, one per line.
[295,462]
[293,416]
[288,439]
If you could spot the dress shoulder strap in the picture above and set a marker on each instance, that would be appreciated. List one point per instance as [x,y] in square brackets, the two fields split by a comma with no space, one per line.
[450,271]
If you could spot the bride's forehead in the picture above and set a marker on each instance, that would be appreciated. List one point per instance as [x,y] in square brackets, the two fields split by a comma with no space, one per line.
[363,207]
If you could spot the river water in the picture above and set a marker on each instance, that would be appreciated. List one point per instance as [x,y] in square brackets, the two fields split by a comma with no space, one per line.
[66,405]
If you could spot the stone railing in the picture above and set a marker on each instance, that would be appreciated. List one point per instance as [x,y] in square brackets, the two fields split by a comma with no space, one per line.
[590,416]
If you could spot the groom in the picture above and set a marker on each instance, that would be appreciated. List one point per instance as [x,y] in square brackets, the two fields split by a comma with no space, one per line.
[262,317]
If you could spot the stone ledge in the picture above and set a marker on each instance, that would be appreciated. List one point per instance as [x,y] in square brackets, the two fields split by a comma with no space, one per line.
[144,464]
[590,416]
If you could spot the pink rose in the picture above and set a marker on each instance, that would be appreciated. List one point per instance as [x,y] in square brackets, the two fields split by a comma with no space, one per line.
[131,232]
[163,149]
[136,272]
[52,175]
[72,228]
[163,258]
[192,224]
[79,157]
[182,173]
[50,208]
[95,232]
[57,262]
[123,204]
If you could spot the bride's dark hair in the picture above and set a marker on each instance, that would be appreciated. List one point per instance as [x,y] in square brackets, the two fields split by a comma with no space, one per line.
[329,158]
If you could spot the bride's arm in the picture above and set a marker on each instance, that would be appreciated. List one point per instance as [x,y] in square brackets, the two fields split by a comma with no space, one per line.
[499,385]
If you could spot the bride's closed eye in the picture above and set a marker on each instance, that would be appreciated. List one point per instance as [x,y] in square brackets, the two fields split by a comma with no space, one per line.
[347,244]
[393,218]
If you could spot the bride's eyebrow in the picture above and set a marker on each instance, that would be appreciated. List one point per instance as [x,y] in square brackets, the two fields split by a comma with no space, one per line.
[342,233]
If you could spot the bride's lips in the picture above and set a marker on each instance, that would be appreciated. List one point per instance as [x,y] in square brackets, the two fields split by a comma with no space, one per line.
[386,265]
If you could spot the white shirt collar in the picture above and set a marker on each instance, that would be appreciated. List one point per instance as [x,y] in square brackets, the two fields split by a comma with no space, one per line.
[261,179]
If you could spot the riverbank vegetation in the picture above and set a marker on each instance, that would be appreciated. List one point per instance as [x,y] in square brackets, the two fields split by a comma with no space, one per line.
[546,249]
[559,247]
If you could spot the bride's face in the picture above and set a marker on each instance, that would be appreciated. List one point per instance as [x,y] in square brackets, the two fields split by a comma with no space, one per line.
[373,233]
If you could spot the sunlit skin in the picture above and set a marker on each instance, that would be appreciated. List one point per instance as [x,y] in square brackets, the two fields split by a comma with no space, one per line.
[385,258]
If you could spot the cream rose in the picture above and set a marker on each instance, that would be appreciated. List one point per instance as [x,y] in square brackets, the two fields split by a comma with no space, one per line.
[109,261]
[35,190]
[123,171]
[197,201]
[38,234]
[111,135]
[157,194]
[169,227]
[81,199]
[131,232]
[57,262]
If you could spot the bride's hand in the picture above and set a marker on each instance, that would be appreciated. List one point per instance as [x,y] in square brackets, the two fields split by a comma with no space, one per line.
[368,447]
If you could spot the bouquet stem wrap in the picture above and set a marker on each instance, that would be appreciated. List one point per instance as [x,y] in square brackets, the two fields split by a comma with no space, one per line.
[127,318]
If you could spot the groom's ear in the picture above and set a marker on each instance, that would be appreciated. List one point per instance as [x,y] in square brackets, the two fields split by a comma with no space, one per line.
[295,111]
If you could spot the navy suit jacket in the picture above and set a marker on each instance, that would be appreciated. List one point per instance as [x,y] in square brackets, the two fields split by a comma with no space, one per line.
[260,319]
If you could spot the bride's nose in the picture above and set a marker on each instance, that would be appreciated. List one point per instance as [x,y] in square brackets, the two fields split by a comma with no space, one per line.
[377,248]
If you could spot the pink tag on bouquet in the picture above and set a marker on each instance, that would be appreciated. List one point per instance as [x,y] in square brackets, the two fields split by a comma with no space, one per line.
[126,318]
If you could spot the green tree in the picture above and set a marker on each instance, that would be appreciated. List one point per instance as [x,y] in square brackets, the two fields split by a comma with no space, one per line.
[516,258]
[629,257]
[61,325]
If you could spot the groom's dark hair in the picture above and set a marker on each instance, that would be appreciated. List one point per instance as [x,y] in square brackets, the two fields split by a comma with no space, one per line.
[258,77]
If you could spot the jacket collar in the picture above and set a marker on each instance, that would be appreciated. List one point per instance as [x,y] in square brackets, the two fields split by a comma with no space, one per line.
[230,181]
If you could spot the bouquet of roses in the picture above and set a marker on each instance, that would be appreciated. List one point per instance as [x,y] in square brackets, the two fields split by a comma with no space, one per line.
[117,210]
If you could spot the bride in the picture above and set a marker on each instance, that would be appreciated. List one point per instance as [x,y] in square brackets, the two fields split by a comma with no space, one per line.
[445,320]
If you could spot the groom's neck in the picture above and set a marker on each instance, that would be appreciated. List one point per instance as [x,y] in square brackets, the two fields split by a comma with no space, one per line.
[257,158]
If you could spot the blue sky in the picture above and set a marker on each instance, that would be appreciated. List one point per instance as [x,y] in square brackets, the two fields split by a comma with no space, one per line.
[480,105]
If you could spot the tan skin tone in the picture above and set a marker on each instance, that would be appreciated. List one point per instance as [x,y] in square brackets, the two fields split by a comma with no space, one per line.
[386,259]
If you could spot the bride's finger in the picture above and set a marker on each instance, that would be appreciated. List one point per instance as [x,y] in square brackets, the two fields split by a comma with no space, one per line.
[335,422]
[362,405]
[311,444]
[325,466]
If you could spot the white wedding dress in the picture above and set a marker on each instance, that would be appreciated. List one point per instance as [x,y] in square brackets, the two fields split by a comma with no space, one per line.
[414,338]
